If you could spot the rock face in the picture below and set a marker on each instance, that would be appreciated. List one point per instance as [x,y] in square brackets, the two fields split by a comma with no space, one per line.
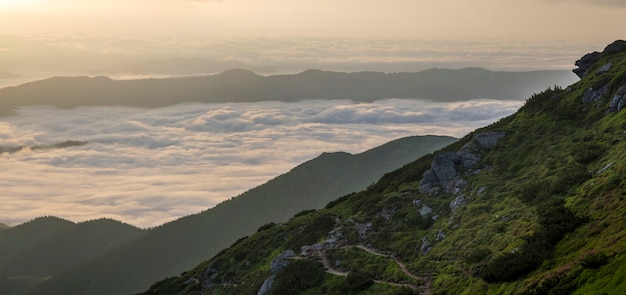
[589,59]
[619,100]
[443,173]
[276,265]
[592,95]
[585,62]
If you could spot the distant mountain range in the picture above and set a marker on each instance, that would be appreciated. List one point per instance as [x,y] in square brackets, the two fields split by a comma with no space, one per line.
[245,86]
[34,251]
[42,256]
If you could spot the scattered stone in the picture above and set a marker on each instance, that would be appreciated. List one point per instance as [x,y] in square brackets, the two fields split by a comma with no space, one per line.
[605,68]
[456,203]
[605,168]
[416,202]
[363,228]
[426,246]
[481,190]
[425,211]
[387,213]
[505,218]
[440,235]
[435,217]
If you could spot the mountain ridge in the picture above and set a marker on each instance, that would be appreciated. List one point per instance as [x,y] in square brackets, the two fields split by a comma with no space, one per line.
[239,85]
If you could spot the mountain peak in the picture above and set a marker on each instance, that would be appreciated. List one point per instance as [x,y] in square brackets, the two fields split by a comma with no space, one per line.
[590,59]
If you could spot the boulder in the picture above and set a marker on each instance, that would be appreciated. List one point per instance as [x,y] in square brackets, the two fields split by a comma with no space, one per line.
[443,166]
[440,235]
[425,211]
[426,246]
[592,95]
[281,261]
[456,203]
[489,139]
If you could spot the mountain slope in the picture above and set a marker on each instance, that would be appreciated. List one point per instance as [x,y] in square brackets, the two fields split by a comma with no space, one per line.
[44,247]
[532,204]
[173,247]
[246,86]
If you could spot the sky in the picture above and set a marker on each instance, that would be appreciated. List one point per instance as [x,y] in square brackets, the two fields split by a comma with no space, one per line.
[41,38]
[183,159]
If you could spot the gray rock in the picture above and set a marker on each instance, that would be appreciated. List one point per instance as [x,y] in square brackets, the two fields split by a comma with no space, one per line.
[489,139]
[440,235]
[281,261]
[416,202]
[592,95]
[435,217]
[585,62]
[622,103]
[481,190]
[443,166]
[267,286]
[605,68]
[426,246]
[456,203]
[455,186]
[425,211]
[615,47]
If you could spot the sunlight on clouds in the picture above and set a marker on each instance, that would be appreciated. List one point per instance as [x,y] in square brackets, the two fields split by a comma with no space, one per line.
[149,166]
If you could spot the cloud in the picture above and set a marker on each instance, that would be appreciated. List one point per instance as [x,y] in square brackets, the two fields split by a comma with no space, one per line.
[149,166]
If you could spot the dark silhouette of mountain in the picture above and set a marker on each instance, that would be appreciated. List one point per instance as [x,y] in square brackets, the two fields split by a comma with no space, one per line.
[7,75]
[173,247]
[45,247]
[3,226]
[532,204]
[245,86]
[180,66]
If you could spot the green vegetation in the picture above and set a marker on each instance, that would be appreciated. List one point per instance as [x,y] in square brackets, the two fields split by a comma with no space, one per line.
[298,276]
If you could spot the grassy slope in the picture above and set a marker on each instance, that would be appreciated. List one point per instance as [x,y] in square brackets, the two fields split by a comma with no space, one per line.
[554,147]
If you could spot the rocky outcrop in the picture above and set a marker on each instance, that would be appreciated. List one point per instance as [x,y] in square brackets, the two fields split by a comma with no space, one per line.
[592,95]
[589,59]
[618,102]
[278,263]
[443,173]
[585,62]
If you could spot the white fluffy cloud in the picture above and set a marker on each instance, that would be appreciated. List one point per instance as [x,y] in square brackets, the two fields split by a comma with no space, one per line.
[149,166]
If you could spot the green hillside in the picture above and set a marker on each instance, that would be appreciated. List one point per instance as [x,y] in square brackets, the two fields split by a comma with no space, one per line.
[532,204]
[176,246]
[35,251]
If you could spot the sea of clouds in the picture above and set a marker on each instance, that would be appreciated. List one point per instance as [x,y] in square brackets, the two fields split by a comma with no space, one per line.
[149,166]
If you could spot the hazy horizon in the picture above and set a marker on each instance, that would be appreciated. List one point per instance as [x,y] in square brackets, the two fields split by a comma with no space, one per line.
[163,38]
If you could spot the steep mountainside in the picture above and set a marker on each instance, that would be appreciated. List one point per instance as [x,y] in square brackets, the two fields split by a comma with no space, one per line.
[532,204]
[169,249]
[44,247]
[246,86]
